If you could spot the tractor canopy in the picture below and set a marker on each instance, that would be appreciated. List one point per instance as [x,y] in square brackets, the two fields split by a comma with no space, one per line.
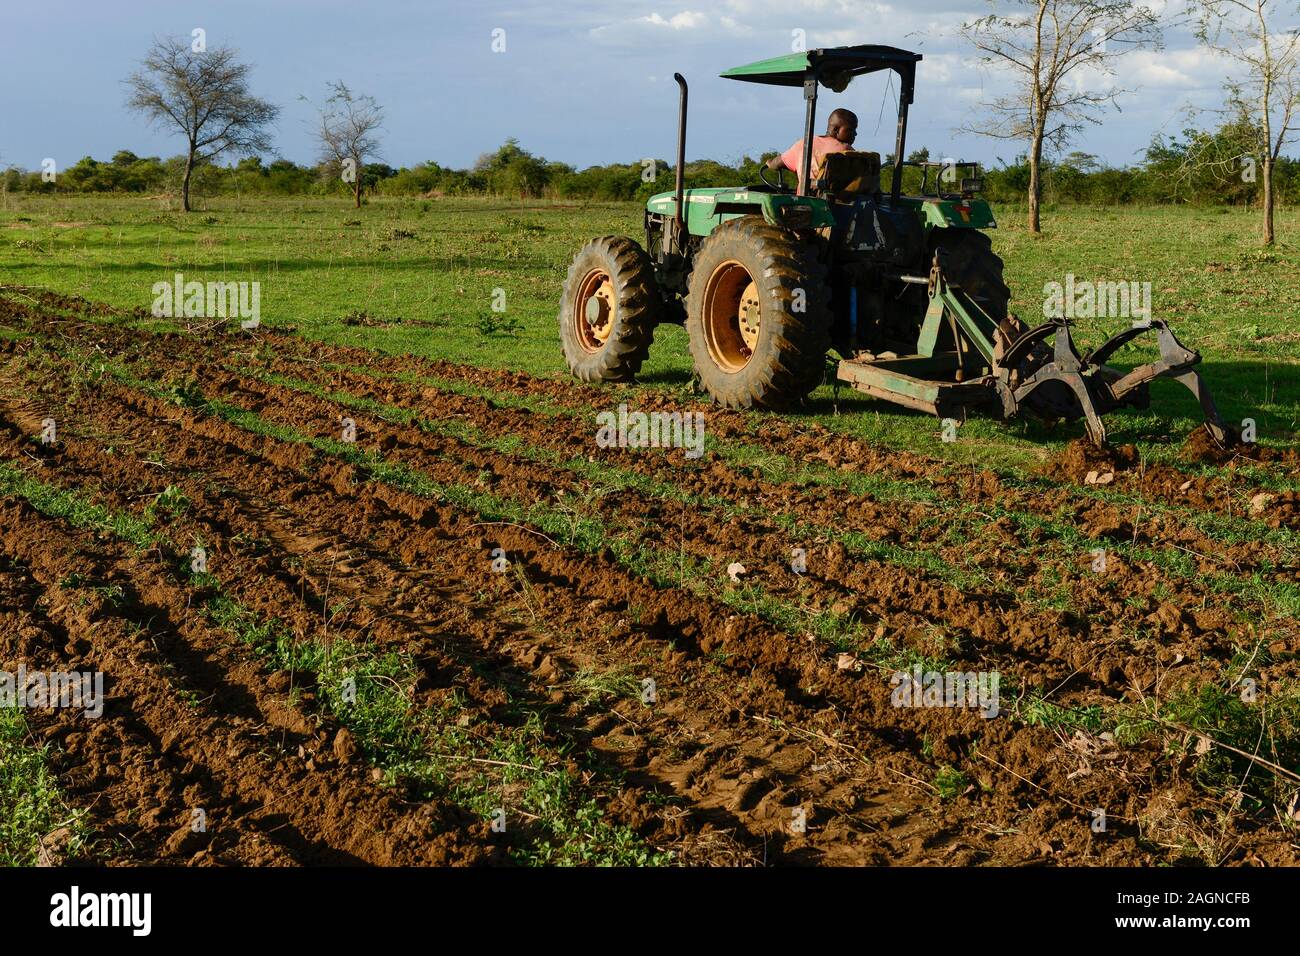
[834,67]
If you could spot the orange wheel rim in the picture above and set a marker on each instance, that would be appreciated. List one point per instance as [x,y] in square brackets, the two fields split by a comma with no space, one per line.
[731,319]
[595,309]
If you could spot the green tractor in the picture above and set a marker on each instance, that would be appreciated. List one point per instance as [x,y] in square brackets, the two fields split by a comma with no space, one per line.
[768,279]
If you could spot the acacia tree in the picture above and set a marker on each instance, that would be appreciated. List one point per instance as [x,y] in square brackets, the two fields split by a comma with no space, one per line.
[1266,101]
[1044,45]
[205,95]
[348,124]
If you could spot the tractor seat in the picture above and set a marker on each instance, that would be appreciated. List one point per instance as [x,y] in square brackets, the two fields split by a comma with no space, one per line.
[849,173]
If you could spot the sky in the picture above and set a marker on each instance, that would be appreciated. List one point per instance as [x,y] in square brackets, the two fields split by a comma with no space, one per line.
[584,82]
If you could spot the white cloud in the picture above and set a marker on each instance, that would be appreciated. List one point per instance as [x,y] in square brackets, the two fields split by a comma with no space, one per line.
[1187,69]
[644,30]
[849,22]
[686,20]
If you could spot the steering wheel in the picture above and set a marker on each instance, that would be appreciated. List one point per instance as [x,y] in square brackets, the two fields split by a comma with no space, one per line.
[779,185]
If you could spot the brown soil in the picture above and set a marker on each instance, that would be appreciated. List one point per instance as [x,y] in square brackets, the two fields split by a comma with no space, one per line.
[756,717]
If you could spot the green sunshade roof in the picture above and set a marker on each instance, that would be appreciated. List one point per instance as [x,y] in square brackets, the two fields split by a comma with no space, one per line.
[844,63]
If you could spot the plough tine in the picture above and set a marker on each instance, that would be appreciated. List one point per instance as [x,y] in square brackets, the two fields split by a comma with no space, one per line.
[1174,358]
[1067,367]
[1092,421]
[1213,421]
[1064,355]
[1176,361]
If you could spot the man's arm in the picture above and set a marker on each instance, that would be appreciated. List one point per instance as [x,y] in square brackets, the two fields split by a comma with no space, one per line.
[776,162]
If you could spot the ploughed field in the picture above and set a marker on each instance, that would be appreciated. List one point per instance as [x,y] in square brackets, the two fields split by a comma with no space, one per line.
[437,622]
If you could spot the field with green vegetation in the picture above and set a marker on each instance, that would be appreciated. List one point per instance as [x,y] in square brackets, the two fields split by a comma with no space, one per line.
[366,589]
[420,277]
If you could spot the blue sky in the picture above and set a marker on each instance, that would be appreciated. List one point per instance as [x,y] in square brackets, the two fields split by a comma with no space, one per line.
[581,81]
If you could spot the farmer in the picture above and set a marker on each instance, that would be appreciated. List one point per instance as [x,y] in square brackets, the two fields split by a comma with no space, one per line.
[841,131]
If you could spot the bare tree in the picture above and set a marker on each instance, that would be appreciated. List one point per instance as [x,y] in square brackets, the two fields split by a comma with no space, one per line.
[1045,44]
[348,124]
[1268,97]
[204,94]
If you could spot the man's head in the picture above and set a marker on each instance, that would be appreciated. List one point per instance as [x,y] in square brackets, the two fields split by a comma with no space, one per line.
[843,125]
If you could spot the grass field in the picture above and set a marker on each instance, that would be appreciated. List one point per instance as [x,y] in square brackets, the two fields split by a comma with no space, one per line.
[421,276]
[449,618]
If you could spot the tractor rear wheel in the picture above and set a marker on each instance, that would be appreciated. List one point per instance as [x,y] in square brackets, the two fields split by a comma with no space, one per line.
[608,310]
[973,266]
[758,316]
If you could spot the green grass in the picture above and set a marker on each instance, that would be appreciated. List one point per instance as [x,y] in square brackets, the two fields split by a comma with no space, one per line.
[76,508]
[171,501]
[432,295]
[31,805]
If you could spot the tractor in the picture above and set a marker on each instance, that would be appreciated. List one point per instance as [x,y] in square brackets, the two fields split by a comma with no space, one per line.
[768,279]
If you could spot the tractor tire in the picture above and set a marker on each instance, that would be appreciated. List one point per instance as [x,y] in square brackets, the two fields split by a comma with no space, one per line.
[608,310]
[749,344]
[973,266]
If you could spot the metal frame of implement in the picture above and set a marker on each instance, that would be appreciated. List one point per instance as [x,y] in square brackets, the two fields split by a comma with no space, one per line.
[979,372]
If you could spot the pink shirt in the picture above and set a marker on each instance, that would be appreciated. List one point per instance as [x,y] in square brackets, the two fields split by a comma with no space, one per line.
[822,145]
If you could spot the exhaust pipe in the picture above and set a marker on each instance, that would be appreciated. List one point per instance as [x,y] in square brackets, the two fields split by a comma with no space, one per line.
[679,229]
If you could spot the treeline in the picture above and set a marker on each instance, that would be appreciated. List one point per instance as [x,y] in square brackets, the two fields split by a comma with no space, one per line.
[1210,168]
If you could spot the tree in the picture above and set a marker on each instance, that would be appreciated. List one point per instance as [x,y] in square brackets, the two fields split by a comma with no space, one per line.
[513,171]
[1213,164]
[205,95]
[1267,99]
[1052,42]
[348,124]
[1083,162]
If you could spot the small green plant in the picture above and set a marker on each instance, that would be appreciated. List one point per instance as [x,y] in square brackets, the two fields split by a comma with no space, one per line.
[490,323]
[186,394]
[171,501]
[950,782]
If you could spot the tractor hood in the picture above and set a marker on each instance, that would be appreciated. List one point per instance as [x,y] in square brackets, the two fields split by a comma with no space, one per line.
[835,67]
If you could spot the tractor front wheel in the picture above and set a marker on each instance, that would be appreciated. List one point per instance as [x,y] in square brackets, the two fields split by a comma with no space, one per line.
[757,315]
[608,310]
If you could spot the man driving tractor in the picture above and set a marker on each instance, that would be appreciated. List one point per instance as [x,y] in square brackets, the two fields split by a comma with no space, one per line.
[841,131]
